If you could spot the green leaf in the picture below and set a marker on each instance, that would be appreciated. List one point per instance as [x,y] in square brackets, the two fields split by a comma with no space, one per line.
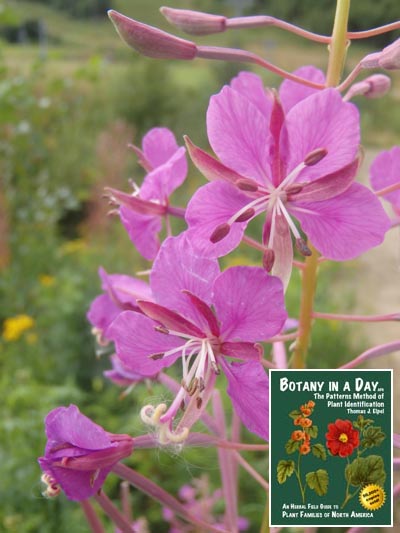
[372,436]
[284,470]
[319,451]
[294,414]
[292,446]
[362,422]
[365,470]
[312,431]
[318,481]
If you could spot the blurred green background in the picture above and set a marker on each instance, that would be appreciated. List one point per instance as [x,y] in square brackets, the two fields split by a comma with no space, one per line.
[71,97]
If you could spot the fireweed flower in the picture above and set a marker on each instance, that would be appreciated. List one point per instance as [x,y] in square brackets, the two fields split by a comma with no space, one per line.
[79,454]
[120,293]
[142,211]
[385,173]
[342,438]
[291,157]
[202,316]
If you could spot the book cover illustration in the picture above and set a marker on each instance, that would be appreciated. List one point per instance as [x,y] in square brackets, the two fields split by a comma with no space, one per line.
[331,447]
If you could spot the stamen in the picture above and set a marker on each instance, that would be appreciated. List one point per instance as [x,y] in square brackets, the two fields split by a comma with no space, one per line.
[315,156]
[268,259]
[302,247]
[249,213]
[246,185]
[292,225]
[291,176]
[220,232]
[257,203]
[162,329]
[156,356]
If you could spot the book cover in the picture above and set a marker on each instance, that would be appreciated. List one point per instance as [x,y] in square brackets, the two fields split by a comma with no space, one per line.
[331,449]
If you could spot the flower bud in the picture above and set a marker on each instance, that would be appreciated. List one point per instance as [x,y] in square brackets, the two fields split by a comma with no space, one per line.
[151,41]
[372,87]
[390,56]
[194,22]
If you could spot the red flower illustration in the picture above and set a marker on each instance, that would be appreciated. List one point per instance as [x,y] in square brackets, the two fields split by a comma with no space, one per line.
[342,438]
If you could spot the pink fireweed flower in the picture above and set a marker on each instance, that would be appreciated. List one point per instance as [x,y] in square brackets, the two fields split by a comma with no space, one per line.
[120,293]
[291,157]
[202,316]
[142,211]
[385,176]
[79,454]
[121,376]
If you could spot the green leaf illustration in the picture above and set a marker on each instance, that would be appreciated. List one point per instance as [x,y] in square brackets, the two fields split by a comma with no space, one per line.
[292,446]
[362,422]
[284,470]
[319,451]
[365,470]
[372,436]
[294,414]
[312,431]
[318,481]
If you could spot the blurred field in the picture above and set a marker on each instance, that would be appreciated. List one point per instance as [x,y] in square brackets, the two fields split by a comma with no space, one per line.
[68,109]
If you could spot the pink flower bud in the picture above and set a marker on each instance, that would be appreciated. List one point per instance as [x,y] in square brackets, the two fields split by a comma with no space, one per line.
[372,87]
[194,22]
[151,41]
[390,56]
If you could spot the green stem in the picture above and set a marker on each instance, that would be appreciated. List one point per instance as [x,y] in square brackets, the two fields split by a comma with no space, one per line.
[298,475]
[337,55]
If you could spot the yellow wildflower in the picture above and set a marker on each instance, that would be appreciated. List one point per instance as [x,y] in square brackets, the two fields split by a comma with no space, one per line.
[15,326]
[71,247]
[46,280]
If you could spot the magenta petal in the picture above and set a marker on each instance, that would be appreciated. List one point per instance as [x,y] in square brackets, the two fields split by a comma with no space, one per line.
[252,87]
[212,205]
[283,250]
[323,120]
[68,424]
[345,226]
[170,319]
[210,167]
[161,182]
[239,134]
[248,388]
[125,288]
[291,93]
[102,312]
[328,186]
[385,171]
[159,145]
[249,304]
[77,485]
[246,351]
[136,340]
[178,267]
[143,231]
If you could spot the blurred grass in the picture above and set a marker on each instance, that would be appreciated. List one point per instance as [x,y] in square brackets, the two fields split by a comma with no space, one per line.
[65,107]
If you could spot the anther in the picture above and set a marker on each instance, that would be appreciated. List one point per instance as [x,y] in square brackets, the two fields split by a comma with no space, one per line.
[315,156]
[162,329]
[220,232]
[294,189]
[246,185]
[201,385]
[214,366]
[246,215]
[302,247]
[268,259]
[156,356]
[199,402]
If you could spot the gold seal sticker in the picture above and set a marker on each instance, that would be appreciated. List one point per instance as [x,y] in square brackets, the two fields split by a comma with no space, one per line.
[372,497]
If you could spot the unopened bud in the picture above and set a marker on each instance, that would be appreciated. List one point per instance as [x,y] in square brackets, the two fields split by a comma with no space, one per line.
[315,156]
[268,259]
[388,58]
[372,87]
[246,215]
[302,247]
[220,232]
[151,41]
[194,22]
